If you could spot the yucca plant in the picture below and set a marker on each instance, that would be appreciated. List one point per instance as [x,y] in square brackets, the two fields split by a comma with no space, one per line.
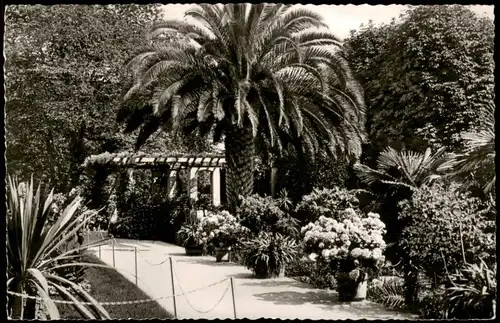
[36,253]
[267,254]
[473,292]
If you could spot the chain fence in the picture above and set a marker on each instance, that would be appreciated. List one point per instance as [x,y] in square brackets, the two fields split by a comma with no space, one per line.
[139,301]
[105,241]
[154,265]
[191,305]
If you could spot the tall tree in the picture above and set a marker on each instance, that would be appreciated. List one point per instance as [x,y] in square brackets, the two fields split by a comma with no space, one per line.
[251,74]
[64,81]
[425,76]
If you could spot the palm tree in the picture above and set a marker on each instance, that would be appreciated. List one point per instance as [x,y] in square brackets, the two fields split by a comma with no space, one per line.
[404,172]
[250,75]
[404,168]
[476,163]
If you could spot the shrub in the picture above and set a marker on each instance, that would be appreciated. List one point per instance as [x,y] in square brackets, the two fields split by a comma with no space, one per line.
[352,241]
[220,229]
[152,221]
[261,214]
[99,220]
[325,202]
[316,273]
[268,253]
[388,291]
[436,218]
[36,252]
[473,292]
[189,235]
[430,304]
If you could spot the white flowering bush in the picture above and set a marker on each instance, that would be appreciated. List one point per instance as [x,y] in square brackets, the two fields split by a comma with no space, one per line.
[220,229]
[352,241]
[326,202]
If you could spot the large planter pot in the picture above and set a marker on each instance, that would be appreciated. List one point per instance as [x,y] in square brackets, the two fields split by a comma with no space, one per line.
[261,271]
[194,250]
[361,290]
[350,290]
[221,252]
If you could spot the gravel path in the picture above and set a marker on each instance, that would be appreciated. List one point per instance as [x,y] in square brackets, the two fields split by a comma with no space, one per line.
[254,298]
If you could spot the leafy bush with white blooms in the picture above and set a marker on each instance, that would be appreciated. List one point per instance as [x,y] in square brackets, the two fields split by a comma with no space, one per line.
[220,229]
[354,240]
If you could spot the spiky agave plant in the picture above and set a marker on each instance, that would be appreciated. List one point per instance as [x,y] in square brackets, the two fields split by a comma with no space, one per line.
[35,257]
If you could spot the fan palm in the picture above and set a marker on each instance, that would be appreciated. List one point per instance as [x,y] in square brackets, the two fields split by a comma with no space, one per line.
[477,161]
[36,258]
[404,168]
[249,75]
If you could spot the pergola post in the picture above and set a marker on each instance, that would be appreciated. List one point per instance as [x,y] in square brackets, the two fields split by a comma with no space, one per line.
[274,172]
[193,183]
[130,178]
[215,187]
[171,183]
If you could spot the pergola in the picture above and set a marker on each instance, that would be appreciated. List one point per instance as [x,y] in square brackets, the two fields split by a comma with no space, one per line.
[170,164]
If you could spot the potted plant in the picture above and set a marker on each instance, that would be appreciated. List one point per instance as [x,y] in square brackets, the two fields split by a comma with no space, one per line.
[189,237]
[268,253]
[222,231]
[352,245]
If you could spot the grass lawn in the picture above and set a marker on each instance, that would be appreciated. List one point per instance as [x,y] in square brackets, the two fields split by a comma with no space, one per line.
[107,286]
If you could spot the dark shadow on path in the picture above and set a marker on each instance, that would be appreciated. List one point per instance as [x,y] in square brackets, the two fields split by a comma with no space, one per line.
[207,261]
[329,301]
[278,283]
[299,298]
[175,254]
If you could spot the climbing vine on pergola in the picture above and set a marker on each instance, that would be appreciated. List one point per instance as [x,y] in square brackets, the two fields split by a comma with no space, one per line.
[169,165]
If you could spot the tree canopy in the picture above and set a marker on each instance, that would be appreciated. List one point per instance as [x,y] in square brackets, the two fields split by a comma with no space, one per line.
[64,81]
[250,74]
[426,76]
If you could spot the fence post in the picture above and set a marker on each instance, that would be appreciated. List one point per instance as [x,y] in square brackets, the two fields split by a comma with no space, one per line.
[173,287]
[232,292]
[113,254]
[135,249]
[99,251]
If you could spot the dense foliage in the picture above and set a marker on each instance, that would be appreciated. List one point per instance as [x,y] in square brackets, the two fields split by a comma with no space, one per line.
[426,76]
[265,214]
[325,202]
[64,78]
[474,166]
[445,227]
[152,221]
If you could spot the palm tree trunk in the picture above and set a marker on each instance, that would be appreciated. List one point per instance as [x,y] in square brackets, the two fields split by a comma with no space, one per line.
[240,152]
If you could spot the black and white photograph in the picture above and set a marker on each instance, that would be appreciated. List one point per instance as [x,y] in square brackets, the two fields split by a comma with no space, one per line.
[249,160]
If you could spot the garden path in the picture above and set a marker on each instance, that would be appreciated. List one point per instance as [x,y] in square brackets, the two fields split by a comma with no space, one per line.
[254,298]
